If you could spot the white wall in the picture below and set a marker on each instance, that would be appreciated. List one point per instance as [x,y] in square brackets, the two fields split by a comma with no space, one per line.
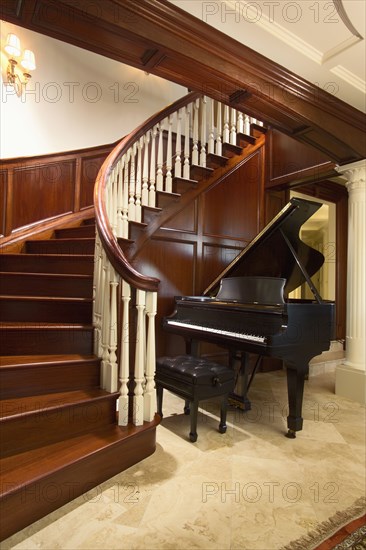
[75,99]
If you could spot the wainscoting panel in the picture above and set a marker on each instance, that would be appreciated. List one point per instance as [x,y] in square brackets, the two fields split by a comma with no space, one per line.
[232,209]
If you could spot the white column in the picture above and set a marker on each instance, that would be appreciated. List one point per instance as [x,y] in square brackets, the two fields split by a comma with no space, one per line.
[351,376]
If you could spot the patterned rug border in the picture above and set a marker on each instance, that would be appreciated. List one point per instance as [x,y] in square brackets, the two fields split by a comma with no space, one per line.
[329,527]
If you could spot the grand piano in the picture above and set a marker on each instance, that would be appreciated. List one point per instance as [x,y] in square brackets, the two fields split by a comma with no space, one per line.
[246,309]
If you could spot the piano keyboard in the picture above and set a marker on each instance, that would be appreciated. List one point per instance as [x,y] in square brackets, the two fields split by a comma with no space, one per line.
[240,336]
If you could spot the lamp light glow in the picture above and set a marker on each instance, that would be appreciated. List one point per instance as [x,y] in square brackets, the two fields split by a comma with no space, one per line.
[28,61]
[12,46]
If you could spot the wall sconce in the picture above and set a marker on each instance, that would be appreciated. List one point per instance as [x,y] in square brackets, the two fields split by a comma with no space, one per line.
[28,62]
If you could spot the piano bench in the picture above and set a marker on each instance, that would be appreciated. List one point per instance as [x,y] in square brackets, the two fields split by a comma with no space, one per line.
[194,379]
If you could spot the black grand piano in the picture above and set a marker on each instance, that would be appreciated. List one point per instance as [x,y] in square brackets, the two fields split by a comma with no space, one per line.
[246,308]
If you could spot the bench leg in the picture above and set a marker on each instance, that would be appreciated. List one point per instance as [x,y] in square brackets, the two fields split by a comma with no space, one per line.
[159,399]
[194,414]
[187,409]
[222,426]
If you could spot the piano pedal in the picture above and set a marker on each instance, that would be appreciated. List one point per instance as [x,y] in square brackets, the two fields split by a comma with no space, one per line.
[239,403]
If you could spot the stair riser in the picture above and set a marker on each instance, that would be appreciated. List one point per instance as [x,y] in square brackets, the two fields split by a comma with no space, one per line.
[43,427]
[76,232]
[37,311]
[46,264]
[22,381]
[46,341]
[32,502]
[42,285]
[56,246]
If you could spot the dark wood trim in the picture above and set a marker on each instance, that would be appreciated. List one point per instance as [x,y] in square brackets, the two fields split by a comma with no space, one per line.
[179,47]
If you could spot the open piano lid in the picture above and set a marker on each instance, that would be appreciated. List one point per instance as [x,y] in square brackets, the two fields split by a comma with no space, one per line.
[277,251]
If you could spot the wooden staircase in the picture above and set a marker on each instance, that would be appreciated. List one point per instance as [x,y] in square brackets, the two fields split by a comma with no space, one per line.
[59,435]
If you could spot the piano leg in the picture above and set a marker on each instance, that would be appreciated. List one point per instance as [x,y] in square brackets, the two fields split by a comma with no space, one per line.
[295,389]
[239,362]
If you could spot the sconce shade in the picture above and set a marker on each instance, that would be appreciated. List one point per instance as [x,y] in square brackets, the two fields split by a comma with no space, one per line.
[12,46]
[28,61]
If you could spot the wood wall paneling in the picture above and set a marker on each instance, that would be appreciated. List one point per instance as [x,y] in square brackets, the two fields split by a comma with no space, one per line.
[42,192]
[289,160]
[185,221]
[40,189]
[173,262]
[232,208]
[89,170]
[215,257]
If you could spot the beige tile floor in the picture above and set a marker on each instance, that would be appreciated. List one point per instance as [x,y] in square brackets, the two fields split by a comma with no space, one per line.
[251,488]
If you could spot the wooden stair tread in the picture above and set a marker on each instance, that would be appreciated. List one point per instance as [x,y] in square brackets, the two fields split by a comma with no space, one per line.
[46,402]
[12,361]
[57,241]
[23,468]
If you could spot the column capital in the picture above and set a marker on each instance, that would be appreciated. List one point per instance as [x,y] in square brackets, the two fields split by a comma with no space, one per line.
[355,174]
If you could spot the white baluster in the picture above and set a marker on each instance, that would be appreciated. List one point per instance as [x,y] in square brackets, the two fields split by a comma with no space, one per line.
[226,129]
[253,120]
[159,170]
[138,402]
[152,193]
[196,105]
[145,172]
[97,292]
[138,181]
[169,159]
[105,320]
[219,129]
[203,131]
[150,395]
[240,122]
[186,165]
[246,125]
[211,126]
[178,147]
[125,356]
[233,127]
[120,198]
[132,189]
[112,206]
[125,197]
[111,378]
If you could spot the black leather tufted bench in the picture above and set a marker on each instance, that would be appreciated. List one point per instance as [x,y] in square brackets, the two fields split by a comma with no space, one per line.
[193,379]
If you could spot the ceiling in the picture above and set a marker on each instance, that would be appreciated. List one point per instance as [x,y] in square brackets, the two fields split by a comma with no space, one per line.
[321,40]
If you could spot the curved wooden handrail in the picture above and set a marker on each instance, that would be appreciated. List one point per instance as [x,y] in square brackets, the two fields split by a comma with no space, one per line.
[108,239]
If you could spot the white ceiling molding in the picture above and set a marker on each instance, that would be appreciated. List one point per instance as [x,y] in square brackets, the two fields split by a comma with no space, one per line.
[349,77]
[341,47]
[268,24]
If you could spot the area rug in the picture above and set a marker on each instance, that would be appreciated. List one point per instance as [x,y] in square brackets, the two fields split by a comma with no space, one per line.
[345,530]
